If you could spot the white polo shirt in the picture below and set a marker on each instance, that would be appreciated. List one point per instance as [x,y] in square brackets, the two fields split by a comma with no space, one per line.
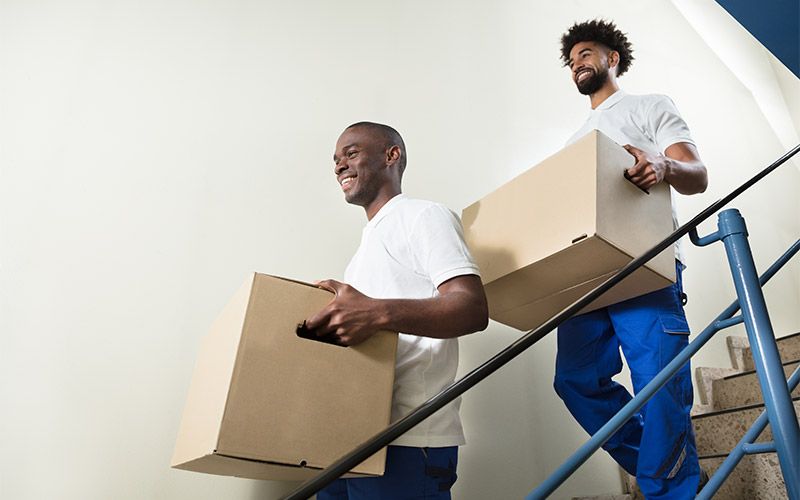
[407,250]
[648,122]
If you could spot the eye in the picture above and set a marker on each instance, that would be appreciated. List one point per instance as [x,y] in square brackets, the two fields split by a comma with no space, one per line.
[352,153]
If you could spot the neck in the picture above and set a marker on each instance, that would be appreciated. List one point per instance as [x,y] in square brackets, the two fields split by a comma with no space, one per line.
[604,93]
[383,197]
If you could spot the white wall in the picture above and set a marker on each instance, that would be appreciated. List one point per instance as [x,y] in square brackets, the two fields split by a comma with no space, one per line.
[153,153]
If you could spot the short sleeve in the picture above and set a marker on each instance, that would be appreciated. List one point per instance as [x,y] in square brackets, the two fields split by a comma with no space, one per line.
[437,242]
[666,125]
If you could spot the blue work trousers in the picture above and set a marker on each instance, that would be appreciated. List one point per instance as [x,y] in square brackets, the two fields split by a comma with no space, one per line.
[657,444]
[411,473]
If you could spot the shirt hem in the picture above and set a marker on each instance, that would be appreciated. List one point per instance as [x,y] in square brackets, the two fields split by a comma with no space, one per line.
[429,441]
[677,140]
[454,273]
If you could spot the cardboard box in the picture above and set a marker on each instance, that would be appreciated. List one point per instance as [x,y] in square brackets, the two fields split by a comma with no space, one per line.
[558,230]
[267,404]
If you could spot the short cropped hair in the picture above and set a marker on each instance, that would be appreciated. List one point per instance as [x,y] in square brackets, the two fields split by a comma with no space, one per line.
[599,31]
[390,137]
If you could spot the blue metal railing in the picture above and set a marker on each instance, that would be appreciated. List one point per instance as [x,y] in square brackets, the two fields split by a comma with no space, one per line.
[762,335]
[769,369]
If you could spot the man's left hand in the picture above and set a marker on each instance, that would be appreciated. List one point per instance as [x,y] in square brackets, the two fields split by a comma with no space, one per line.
[351,316]
[649,169]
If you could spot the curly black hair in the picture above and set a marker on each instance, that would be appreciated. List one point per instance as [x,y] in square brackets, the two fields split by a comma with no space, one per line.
[600,31]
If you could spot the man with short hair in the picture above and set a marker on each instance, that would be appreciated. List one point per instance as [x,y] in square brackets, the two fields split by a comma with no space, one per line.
[412,273]
[657,444]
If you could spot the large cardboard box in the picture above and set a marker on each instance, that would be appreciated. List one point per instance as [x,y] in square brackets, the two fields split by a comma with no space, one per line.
[267,404]
[558,230]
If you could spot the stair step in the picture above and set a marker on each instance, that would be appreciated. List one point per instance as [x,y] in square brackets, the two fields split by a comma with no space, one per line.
[788,347]
[736,346]
[717,433]
[743,388]
[704,378]
[757,477]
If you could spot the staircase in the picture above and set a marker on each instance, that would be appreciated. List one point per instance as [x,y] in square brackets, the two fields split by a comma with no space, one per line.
[730,400]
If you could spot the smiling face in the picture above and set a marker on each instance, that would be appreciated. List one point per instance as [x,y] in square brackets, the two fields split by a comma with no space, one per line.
[589,63]
[364,168]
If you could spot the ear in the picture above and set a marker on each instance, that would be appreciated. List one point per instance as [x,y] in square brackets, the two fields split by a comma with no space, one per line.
[393,155]
[613,58]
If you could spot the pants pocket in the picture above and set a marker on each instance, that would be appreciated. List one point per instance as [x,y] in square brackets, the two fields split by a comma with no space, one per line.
[674,323]
[442,471]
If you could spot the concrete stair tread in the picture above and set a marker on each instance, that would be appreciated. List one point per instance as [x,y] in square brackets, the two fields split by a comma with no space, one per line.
[743,388]
[756,477]
[717,432]
[705,376]
[753,371]
[742,355]
[702,409]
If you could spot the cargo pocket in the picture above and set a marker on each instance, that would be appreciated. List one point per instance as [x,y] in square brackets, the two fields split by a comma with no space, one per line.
[675,338]
[674,323]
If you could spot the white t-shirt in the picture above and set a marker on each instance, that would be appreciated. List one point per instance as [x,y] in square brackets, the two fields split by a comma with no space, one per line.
[407,250]
[648,122]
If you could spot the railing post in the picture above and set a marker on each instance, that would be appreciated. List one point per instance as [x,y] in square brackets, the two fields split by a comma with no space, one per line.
[777,399]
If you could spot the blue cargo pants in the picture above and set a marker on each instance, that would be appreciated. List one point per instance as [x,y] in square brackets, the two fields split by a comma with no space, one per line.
[657,444]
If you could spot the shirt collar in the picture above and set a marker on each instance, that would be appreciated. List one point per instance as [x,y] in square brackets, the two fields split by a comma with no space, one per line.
[611,100]
[385,209]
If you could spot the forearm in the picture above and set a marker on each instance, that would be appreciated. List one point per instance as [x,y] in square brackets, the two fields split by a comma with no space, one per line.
[458,309]
[445,316]
[685,171]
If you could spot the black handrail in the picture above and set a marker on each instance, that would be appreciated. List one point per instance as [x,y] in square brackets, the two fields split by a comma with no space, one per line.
[454,390]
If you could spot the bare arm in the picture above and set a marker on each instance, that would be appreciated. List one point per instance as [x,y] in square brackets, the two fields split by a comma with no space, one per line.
[680,166]
[459,309]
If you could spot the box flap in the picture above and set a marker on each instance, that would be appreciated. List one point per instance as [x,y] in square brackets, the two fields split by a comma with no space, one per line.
[208,392]
[534,314]
[570,267]
[252,469]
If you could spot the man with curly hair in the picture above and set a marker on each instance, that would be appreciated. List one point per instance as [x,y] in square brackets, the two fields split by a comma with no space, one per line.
[656,445]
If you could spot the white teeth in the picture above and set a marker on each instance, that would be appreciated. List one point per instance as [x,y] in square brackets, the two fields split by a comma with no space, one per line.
[346,181]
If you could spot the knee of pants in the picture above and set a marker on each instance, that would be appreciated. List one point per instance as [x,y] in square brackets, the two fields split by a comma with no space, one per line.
[560,385]
[570,384]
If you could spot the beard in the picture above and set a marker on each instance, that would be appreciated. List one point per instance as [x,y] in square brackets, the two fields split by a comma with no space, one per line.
[593,83]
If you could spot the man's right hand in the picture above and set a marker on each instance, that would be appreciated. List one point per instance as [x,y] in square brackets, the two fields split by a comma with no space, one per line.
[680,167]
[351,316]
[648,170]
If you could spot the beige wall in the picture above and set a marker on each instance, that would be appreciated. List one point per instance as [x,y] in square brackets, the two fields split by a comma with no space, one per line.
[153,153]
